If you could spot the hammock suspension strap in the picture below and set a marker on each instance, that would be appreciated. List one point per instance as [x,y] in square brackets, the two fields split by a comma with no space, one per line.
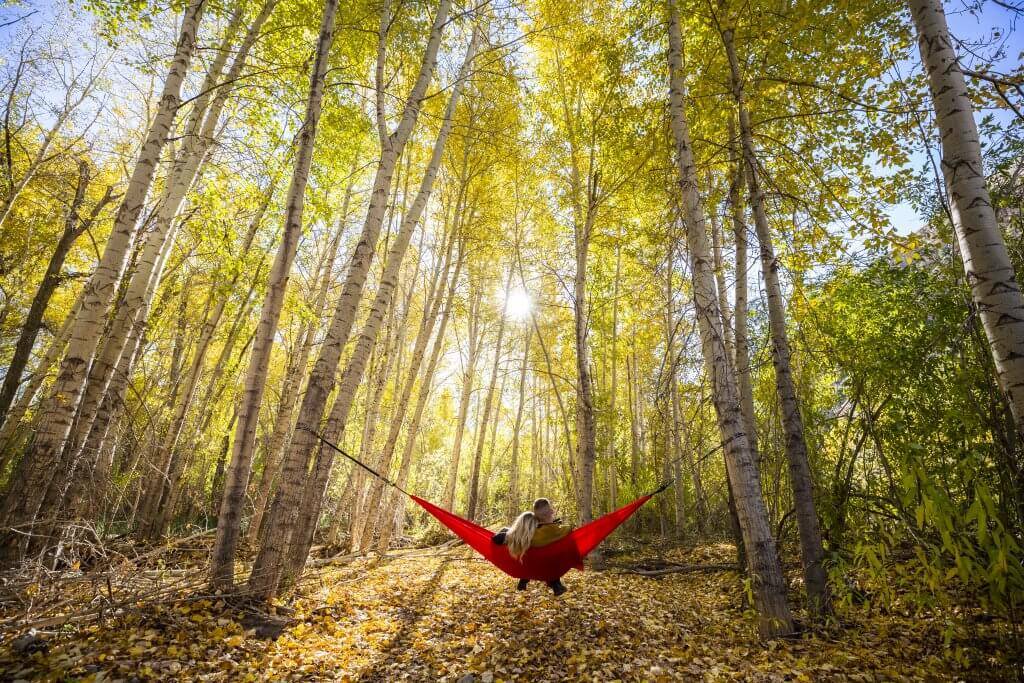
[356,461]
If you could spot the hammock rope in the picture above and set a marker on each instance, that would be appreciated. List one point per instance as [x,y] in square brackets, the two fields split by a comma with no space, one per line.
[545,563]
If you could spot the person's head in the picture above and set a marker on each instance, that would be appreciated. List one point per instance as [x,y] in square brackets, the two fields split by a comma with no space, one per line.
[520,535]
[544,510]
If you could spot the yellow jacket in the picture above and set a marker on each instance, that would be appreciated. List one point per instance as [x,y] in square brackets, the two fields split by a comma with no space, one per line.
[547,534]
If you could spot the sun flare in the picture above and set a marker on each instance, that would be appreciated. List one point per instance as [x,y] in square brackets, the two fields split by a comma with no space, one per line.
[518,304]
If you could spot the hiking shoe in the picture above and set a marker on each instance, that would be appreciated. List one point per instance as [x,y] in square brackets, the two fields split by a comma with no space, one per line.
[521,586]
[557,587]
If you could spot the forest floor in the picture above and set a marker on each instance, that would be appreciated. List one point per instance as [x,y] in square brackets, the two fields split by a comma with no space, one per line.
[445,615]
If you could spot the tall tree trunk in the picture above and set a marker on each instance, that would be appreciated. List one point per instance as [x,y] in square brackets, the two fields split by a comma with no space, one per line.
[613,388]
[811,550]
[514,465]
[742,332]
[39,464]
[469,374]
[994,288]
[723,291]
[222,561]
[586,427]
[284,424]
[21,406]
[474,476]
[266,574]
[635,417]
[765,568]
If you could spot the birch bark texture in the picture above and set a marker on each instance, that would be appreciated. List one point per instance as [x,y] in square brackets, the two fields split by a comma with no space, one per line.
[769,586]
[222,561]
[811,550]
[353,375]
[39,463]
[990,275]
[322,377]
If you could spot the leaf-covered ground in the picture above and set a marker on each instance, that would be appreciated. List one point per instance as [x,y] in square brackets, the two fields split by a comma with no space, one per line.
[447,616]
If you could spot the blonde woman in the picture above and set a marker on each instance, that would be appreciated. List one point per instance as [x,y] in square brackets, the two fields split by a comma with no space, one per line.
[534,529]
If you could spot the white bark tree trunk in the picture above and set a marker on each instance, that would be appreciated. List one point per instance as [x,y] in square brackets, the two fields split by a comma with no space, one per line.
[222,561]
[994,287]
[742,333]
[322,378]
[769,585]
[39,464]
[811,550]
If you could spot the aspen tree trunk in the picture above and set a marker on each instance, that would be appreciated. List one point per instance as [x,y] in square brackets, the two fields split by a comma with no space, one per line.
[57,411]
[283,554]
[586,437]
[474,477]
[377,519]
[769,585]
[811,550]
[353,375]
[88,430]
[109,411]
[613,419]
[74,226]
[266,574]
[21,406]
[723,291]
[475,342]
[634,422]
[394,501]
[994,288]
[742,332]
[199,135]
[514,466]
[285,421]
[222,561]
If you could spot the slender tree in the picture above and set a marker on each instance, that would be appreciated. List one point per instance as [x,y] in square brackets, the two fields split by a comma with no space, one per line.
[764,565]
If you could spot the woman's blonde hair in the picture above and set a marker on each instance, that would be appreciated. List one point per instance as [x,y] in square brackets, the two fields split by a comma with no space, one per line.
[520,535]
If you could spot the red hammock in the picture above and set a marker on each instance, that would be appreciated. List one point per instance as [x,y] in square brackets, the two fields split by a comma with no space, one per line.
[546,563]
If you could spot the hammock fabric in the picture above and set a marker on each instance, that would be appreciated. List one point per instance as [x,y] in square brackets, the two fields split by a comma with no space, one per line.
[546,563]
